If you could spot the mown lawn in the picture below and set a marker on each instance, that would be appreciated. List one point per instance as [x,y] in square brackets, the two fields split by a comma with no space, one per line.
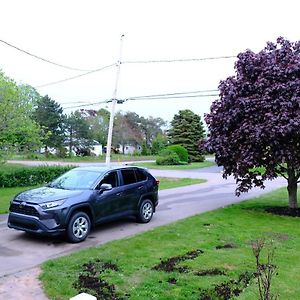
[169,183]
[10,167]
[114,157]
[130,268]
[195,165]
[6,194]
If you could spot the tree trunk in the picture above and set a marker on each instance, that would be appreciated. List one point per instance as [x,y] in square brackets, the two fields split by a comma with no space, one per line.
[292,188]
[46,151]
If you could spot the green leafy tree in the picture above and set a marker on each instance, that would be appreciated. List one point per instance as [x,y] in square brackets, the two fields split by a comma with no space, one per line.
[127,130]
[17,129]
[159,143]
[98,123]
[79,136]
[150,128]
[49,115]
[130,128]
[187,130]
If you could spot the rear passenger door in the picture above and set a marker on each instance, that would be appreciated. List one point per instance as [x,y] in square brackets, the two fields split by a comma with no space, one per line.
[133,183]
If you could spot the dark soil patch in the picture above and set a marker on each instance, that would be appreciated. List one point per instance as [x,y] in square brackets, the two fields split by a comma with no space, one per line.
[226,246]
[90,281]
[210,272]
[171,264]
[284,211]
[172,280]
[227,290]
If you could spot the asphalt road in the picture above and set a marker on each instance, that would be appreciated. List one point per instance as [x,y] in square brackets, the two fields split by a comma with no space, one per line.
[20,252]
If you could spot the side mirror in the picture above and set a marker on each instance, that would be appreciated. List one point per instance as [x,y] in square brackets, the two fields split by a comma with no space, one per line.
[105,187]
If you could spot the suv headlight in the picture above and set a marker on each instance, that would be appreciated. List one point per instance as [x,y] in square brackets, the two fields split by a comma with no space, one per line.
[52,204]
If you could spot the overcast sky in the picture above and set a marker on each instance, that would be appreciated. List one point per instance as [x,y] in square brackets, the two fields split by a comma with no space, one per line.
[86,35]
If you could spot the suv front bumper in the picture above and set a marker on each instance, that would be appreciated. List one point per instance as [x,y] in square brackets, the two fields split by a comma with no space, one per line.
[31,218]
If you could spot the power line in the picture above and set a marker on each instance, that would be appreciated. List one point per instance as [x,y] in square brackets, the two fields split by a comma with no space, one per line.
[88,104]
[172,97]
[137,62]
[43,59]
[74,77]
[170,94]
[179,95]
[177,60]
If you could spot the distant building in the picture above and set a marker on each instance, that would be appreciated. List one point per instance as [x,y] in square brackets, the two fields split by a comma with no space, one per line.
[129,149]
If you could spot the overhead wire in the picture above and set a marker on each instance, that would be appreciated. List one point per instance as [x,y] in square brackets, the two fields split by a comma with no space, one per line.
[74,77]
[177,60]
[88,104]
[172,97]
[179,95]
[146,97]
[43,59]
[136,62]
[171,94]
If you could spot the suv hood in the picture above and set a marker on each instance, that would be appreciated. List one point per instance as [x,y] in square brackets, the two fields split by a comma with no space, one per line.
[45,194]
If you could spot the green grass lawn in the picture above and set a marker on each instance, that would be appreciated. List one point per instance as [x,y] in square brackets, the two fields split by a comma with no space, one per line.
[114,157]
[195,165]
[131,267]
[6,194]
[169,183]
[10,167]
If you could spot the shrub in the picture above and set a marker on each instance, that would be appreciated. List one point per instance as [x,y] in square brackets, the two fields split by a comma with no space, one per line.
[167,157]
[171,159]
[30,176]
[180,151]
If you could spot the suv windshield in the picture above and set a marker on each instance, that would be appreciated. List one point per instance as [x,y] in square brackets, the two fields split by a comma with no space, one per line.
[76,180]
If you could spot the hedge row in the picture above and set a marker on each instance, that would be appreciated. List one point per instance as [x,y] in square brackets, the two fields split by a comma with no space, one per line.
[30,176]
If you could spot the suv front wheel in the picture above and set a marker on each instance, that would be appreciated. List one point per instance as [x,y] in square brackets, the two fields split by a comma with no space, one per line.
[79,227]
[146,211]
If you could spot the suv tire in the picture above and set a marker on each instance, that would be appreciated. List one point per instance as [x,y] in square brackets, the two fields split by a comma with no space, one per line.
[145,211]
[78,227]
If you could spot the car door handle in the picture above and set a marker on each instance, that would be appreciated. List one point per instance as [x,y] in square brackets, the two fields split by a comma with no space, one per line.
[140,187]
[119,194]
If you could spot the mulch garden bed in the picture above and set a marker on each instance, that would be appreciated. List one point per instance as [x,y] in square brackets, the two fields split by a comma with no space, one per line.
[284,211]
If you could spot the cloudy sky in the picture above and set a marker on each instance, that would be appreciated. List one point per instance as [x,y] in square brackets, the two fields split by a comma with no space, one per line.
[86,35]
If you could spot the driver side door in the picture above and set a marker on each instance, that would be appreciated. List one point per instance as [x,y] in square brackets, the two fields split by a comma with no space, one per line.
[107,203]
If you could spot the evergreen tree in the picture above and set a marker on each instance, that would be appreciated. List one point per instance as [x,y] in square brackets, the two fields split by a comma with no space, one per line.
[187,130]
[49,115]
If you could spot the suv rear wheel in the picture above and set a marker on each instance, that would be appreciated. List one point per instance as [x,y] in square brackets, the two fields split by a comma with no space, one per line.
[146,211]
[79,227]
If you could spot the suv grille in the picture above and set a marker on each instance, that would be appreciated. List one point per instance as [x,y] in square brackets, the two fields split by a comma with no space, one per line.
[24,209]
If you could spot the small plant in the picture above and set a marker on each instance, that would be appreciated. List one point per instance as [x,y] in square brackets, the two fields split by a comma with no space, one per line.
[264,271]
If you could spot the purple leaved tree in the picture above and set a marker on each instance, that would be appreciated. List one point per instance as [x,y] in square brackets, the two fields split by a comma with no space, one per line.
[254,127]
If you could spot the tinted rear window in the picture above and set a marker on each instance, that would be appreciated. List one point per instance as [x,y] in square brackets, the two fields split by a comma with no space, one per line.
[140,175]
[128,176]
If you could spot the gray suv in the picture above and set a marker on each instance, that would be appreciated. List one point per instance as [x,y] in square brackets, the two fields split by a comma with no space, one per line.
[84,197]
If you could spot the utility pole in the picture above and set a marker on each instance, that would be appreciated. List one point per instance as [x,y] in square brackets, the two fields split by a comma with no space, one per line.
[113,106]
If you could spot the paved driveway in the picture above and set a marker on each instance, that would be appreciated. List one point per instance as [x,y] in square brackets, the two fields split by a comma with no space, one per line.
[20,254]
